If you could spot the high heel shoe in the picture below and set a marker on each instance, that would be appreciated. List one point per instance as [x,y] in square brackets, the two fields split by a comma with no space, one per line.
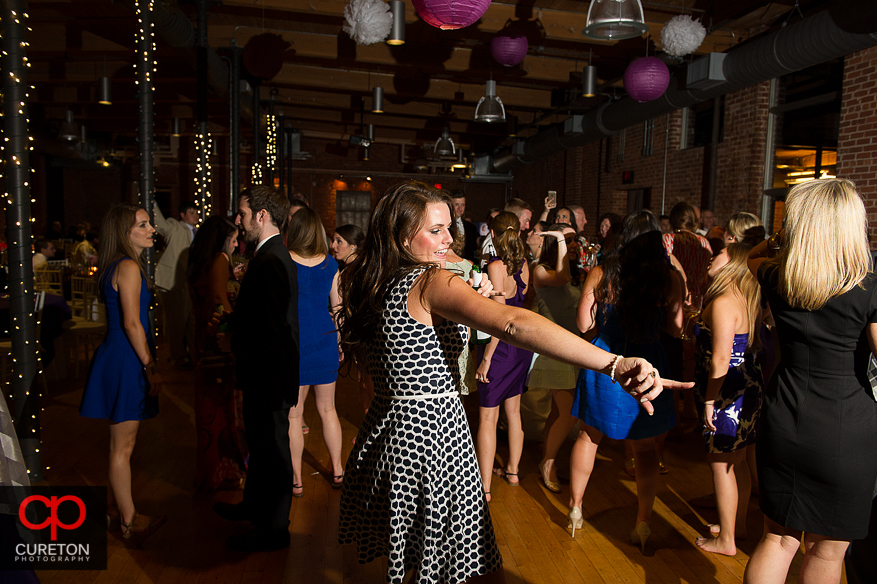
[552,486]
[575,520]
[640,534]
[134,537]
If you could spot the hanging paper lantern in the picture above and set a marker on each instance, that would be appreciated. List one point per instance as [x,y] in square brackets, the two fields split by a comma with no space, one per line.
[450,15]
[509,50]
[682,35]
[367,21]
[646,79]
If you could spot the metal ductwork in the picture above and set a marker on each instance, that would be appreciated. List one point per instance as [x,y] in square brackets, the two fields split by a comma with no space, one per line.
[806,43]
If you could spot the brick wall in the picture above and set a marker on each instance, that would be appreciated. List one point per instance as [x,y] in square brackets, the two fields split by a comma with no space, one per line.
[856,152]
[591,175]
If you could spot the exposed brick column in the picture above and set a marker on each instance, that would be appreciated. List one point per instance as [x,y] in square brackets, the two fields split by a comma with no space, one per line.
[857,139]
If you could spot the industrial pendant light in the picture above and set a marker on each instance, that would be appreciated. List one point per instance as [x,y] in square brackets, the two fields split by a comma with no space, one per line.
[589,81]
[615,20]
[105,91]
[69,130]
[444,145]
[397,33]
[177,128]
[377,100]
[490,108]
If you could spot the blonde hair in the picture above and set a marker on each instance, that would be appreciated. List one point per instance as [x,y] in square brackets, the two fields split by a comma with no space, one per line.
[506,228]
[825,249]
[735,277]
[740,222]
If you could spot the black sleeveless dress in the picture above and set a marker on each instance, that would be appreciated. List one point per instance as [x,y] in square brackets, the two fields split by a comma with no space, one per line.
[816,443]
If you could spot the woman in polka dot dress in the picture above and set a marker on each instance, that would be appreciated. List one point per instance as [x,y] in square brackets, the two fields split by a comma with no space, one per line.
[412,491]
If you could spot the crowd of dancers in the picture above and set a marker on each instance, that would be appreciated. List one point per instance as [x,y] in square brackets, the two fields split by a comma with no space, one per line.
[779,330]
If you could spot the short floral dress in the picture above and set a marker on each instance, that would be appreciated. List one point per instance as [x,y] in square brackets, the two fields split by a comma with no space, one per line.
[739,403]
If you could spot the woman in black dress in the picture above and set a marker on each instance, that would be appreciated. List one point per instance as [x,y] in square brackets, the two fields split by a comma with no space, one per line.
[816,463]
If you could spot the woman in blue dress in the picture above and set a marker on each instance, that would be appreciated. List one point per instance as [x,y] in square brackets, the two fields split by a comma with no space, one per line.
[123,381]
[633,296]
[318,301]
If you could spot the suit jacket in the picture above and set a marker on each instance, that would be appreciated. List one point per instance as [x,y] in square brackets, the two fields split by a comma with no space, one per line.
[471,233]
[171,268]
[264,327]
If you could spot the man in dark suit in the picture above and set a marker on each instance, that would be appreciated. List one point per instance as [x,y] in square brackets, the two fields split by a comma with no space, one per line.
[265,343]
[467,228]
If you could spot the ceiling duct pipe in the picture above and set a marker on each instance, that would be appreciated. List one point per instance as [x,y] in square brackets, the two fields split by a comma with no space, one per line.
[808,42]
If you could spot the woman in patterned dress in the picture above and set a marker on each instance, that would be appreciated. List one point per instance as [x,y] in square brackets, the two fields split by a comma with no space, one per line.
[412,491]
[730,388]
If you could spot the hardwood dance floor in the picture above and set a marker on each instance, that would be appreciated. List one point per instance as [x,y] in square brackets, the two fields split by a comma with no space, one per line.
[530,521]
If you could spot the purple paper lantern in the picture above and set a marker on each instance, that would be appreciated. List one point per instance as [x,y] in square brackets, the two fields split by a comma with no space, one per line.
[646,79]
[450,14]
[509,50]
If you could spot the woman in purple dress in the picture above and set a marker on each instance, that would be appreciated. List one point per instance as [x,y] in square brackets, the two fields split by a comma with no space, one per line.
[503,367]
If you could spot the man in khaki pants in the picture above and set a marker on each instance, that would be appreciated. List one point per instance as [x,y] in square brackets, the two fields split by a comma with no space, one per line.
[170,279]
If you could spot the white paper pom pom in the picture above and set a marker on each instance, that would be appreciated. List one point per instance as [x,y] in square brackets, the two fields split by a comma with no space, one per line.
[368,21]
[682,35]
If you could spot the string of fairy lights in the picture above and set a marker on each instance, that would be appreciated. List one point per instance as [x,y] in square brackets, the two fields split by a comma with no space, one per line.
[257,173]
[14,148]
[203,170]
[146,39]
[271,145]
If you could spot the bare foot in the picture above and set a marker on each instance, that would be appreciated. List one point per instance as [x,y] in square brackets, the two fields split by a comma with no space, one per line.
[715,546]
[716,529]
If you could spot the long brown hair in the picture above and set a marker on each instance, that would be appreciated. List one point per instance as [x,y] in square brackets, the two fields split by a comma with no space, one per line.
[506,228]
[736,277]
[382,261]
[115,242]
[305,235]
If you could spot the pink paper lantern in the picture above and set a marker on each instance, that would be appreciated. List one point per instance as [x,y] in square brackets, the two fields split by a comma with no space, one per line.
[509,50]
[450,14]
[646,79]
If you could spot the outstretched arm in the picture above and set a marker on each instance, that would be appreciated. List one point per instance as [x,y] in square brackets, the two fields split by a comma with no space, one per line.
[457,302]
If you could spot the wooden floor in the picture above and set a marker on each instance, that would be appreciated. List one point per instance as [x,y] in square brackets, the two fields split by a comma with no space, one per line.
[530,521]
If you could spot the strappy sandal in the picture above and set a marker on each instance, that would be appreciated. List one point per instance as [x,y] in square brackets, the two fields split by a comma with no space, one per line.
[134,537]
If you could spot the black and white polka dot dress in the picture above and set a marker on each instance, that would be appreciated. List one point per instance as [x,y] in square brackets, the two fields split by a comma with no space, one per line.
[412,490]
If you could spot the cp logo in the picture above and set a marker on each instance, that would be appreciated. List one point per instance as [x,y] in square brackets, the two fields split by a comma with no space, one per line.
[53,521]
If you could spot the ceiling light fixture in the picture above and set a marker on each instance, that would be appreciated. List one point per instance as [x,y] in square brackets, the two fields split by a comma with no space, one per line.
[177,128]
[589,78]
[490,108]
[105,91]
[615,20]
[377,100]
[397,33]
[445,145]
[460,162]
[69,131]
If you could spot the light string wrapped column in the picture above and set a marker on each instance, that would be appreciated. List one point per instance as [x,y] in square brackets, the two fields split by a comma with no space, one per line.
[24,398]
[145,68]
[203,174]
[202,134]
